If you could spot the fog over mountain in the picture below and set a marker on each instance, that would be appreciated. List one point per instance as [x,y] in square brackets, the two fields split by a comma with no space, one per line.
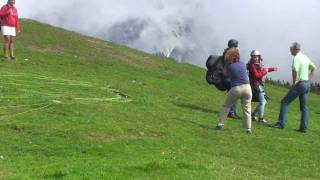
[191,30]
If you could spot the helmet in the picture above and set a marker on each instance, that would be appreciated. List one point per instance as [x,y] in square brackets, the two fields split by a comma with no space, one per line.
[232,43]
[255,53]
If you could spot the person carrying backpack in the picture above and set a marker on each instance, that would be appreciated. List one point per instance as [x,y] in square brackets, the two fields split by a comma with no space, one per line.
[216,77]
[240,89]
[233,110]
[256,73]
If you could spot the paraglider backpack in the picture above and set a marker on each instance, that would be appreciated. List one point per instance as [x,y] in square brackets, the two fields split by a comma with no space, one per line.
[214,74]
[256,92]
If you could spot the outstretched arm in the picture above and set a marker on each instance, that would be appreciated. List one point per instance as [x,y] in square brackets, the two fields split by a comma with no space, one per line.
[256,73]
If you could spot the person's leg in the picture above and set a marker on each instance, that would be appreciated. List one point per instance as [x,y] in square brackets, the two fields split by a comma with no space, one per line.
[303,98]
[262,104]
[233,109]
[6,46]
[232,97]
[11,47]
[254,97]
[291,95]
[246,96]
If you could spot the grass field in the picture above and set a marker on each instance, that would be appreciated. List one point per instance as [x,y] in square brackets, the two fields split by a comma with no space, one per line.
[75,107]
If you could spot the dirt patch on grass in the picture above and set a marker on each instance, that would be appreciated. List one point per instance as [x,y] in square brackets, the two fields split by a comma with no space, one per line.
[46,50]
[4,174]
[99,43]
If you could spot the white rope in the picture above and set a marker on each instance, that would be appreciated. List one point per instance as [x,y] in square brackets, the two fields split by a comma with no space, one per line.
[24,88]
[6,117]
[16,106]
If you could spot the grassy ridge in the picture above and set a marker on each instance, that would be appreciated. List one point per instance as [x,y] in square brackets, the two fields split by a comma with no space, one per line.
[75,107]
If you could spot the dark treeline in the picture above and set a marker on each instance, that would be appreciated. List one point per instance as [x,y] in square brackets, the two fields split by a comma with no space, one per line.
[315,87]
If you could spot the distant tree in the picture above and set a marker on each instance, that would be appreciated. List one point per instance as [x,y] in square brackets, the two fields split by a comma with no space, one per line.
[314,88]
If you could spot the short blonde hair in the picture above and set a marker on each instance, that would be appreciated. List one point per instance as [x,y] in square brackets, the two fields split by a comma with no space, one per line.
[232,56]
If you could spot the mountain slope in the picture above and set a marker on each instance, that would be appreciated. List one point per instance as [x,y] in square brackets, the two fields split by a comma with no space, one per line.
[76,107]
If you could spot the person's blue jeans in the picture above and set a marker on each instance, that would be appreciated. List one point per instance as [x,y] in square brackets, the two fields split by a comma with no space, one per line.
[262,102]
[301,89]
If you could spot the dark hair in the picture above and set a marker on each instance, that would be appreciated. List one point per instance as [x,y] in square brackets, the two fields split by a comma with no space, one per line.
[232,43]
[295,46]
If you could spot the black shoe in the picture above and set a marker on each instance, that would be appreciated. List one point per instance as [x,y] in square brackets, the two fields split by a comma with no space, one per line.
[277,125]
[249,131]
[233,116]
[219,127]
[302,130]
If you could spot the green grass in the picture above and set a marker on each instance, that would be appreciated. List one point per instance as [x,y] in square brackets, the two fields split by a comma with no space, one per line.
[75,107]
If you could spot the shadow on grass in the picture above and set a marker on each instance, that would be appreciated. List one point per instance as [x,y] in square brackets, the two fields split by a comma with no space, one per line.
[157,166]
[56,175]
[195,123]
[196,108]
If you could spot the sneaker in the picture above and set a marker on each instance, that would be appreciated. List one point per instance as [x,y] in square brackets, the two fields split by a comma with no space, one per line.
[233,116]
[262,120]
[219,127]
[277,125]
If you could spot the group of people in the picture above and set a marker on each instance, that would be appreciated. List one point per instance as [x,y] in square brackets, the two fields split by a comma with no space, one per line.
[10,25]
[246,83]
[245,79]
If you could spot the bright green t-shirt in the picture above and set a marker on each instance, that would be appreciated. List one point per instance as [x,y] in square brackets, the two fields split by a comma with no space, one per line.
[302,65]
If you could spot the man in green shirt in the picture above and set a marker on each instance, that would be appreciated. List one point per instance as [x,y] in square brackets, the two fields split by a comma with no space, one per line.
[302,71]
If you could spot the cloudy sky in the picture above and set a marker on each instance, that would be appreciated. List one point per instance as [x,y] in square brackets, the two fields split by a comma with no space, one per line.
[196,28]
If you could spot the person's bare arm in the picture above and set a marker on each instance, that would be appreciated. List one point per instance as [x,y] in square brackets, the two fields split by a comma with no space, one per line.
[311,74]
[294,77]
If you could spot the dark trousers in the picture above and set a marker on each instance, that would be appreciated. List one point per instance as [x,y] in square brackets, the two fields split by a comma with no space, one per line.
[300,90]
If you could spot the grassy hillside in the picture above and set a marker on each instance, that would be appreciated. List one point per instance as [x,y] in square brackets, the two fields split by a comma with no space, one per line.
[75,107]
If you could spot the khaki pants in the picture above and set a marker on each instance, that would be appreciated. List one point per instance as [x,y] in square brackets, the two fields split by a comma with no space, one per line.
[244,93]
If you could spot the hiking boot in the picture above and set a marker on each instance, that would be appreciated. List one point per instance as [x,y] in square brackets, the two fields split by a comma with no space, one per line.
[233,116]
[277,125]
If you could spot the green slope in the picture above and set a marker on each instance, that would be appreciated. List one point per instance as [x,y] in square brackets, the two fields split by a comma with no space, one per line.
[75,107]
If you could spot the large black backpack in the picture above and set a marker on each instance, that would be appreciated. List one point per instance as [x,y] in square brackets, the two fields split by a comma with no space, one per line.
[215,75]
